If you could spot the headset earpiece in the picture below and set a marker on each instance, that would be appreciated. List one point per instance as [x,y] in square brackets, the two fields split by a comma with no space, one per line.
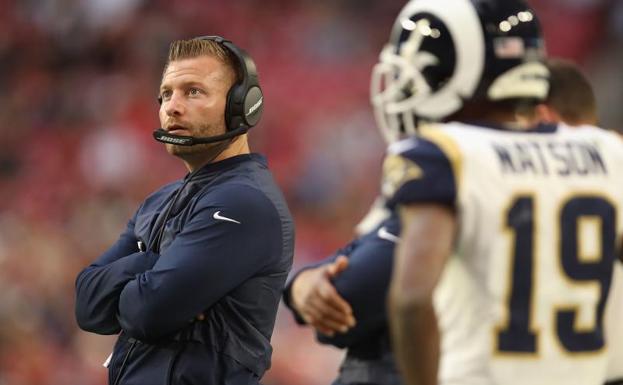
[245,102]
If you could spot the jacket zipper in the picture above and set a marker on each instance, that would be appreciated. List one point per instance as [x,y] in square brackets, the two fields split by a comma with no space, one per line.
[125,360]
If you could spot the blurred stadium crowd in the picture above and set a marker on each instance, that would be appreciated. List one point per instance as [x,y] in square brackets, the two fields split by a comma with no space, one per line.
[78,104]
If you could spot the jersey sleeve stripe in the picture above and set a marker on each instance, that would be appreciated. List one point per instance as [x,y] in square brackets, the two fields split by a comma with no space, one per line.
[450,149]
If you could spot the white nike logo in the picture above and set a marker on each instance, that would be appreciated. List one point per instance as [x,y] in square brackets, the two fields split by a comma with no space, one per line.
[217,215]
[386,235]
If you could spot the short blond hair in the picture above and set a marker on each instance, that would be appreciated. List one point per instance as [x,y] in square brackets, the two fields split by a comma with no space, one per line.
[571,93]
[192,48]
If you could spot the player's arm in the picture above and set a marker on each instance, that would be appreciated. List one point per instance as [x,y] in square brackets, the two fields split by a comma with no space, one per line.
[98,286]
[420,180]
[207,259]
[427,238]
[313,299]
[312,293]
[365,285]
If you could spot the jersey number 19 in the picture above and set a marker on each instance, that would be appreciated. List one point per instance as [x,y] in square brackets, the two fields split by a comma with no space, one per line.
[517,336]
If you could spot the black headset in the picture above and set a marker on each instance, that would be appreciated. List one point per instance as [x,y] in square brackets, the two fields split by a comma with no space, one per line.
[244,104]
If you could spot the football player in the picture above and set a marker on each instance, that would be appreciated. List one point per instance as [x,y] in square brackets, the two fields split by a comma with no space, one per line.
[531,217]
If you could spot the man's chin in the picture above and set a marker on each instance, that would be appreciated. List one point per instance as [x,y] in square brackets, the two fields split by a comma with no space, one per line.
[185,151]
[178,150]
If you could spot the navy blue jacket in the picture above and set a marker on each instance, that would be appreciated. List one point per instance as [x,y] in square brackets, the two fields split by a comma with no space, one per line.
[225,250]
[364,285]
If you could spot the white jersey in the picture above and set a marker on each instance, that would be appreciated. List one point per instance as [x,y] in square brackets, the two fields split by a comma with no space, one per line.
[540,222]
[614,325]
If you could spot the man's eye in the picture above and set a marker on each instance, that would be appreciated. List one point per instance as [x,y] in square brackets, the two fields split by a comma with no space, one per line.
[194,91]
[165,95]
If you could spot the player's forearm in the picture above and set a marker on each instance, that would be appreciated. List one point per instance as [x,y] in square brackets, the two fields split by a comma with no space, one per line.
[364,285]
[362,331]
[415,340]
[183,283]
[98,289]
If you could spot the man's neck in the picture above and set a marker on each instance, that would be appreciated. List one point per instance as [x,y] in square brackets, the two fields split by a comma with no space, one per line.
[499,113]
[238,146]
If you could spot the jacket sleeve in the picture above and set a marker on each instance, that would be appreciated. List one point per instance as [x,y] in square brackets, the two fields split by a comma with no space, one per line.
[364,286]
[98,286]
[210,256]
[287,292]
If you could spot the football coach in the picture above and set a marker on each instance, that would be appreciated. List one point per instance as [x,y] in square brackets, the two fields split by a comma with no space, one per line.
[193,283]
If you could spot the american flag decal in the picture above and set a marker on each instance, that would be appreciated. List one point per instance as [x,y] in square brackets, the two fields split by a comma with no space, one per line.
[509,47]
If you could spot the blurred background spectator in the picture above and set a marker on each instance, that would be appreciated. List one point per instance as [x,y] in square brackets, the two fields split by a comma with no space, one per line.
[78,104]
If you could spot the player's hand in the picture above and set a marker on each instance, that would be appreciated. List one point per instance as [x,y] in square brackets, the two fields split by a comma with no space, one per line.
[317,301]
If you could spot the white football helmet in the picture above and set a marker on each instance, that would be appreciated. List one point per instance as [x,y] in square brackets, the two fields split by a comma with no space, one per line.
[442,53]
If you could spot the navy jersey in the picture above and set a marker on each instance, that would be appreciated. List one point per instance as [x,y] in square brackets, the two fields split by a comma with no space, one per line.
[219,242]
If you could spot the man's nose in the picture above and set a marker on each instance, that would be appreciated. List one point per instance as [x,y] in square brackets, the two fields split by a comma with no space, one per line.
[175,105]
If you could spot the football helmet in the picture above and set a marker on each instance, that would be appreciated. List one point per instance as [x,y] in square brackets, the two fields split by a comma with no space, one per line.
[442,53]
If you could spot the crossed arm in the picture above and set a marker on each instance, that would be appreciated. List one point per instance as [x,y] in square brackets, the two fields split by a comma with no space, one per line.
[150,295]
[98,286]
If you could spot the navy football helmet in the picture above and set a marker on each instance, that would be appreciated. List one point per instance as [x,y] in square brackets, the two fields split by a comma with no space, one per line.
[442,53]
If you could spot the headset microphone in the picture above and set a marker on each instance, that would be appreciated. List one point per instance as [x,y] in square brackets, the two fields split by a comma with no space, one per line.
[181,140]
[244,105]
